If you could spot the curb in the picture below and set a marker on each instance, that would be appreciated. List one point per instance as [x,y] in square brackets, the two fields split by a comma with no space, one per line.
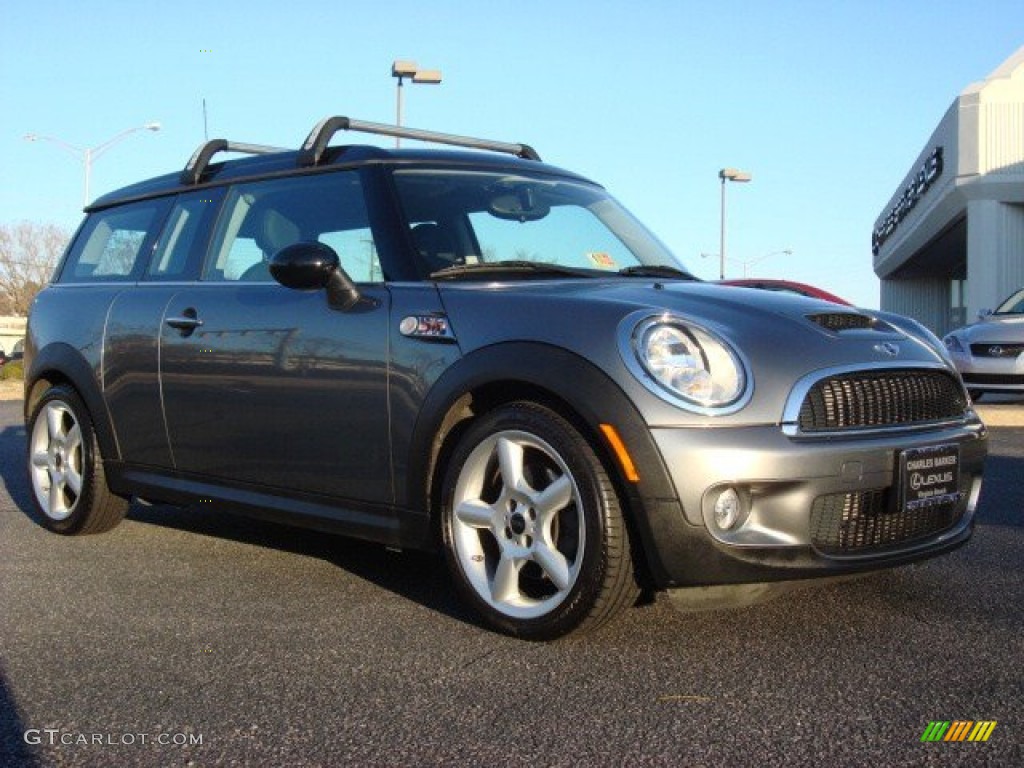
[1001,415]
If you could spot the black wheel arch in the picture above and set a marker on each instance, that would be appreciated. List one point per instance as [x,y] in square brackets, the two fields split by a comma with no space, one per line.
[61,363]
[586,396]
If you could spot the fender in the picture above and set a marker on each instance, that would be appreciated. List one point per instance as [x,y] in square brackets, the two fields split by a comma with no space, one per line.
[594,397]
[68,363]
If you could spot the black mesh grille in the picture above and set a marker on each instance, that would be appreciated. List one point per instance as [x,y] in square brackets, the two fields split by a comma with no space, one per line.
[850,523]
[881,399]
[841,321]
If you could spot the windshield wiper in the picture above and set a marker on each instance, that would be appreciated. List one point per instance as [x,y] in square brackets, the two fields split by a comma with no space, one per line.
[656,270]
[511,266]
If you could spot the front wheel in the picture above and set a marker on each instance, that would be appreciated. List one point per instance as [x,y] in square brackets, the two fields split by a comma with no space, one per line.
[532,527]
[65,468]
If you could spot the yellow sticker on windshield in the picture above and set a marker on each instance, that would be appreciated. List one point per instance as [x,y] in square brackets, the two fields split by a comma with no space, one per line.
[602,260]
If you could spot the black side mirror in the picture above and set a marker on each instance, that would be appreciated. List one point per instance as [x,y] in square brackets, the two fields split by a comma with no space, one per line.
[310,266]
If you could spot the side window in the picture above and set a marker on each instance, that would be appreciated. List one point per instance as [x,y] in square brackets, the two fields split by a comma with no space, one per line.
[111,243]
[183,236]
[261,218]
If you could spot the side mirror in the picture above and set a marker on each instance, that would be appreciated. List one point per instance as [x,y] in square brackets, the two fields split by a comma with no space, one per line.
[984,314]
[310,266]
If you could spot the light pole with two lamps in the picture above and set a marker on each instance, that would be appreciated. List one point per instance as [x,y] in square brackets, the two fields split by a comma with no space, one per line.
[758,259]
[403,69]
[727,174]
[748,262]
[90,154]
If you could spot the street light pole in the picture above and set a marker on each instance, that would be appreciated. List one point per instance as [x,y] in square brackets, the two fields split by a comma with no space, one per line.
[727,174]
[90,154]
[758,259]
[403,69]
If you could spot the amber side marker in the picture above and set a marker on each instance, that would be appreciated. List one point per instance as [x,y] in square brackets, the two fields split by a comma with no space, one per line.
[612,436]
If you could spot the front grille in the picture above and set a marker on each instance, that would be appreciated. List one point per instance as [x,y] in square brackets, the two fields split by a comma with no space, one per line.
[872,399]
[996,350]
[841,321]
[854,523]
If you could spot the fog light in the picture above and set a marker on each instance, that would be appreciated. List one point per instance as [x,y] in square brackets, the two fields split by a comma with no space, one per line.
[727,509]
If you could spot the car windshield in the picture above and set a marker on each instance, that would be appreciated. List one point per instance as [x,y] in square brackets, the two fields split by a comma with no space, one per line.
[461,221]
[1013,305]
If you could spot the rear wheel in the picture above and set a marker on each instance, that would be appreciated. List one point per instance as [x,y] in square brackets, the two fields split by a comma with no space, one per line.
[65,469]
[532,526]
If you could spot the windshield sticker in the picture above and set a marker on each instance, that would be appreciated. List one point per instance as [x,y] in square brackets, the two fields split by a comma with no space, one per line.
[602,260]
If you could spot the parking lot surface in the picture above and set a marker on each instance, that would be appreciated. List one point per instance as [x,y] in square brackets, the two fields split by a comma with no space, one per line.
[187,637]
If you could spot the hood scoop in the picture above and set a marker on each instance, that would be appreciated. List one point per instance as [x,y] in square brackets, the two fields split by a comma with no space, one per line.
[837,322]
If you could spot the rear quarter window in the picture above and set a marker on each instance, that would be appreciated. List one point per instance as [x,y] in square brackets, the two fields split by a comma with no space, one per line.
[113,244]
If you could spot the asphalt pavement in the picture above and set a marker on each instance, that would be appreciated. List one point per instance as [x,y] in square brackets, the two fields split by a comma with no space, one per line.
[188,638]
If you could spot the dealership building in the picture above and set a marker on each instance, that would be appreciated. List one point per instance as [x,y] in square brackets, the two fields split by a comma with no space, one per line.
[950,241]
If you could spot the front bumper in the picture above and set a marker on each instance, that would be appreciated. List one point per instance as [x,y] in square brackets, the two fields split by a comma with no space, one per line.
[992,374]
[793,487]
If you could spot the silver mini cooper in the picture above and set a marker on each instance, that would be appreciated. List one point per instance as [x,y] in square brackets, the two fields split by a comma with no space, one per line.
[476,352]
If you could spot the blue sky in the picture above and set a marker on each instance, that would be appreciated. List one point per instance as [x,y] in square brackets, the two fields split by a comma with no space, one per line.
[826,103]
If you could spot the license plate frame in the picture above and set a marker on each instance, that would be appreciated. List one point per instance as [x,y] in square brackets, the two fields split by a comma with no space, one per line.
[929,475]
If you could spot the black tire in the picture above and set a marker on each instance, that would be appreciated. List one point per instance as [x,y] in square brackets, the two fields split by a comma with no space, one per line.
[542,558]
[62,449]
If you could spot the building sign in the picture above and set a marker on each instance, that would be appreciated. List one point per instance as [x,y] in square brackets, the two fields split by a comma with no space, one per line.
[930,170]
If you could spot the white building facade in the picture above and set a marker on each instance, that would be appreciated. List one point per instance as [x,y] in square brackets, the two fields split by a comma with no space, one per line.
[12,331]
[950,241]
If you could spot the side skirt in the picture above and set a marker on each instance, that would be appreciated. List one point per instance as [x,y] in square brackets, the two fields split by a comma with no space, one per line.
[391,526]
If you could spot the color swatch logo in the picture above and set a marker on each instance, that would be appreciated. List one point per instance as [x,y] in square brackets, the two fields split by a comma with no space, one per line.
[958,730]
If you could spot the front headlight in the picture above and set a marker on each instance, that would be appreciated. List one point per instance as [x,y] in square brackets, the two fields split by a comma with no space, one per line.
[954,345]
[688,363]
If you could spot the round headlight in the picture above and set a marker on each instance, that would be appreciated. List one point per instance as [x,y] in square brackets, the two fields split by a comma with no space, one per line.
[689,362]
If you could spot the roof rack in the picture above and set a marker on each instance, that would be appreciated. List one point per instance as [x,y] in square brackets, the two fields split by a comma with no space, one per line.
[316,143]
[201,157]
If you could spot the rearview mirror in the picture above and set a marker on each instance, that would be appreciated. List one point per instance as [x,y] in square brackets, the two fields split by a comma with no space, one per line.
[521,204]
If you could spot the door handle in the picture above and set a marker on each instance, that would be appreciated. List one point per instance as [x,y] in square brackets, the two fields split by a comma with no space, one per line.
[186,323]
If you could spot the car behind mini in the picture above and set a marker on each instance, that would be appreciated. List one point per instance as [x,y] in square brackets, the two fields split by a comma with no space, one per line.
[990,353]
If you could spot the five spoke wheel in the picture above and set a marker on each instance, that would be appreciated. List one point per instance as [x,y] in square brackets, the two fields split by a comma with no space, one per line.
[519,534]
[532,527]
[55,453]
[65,470]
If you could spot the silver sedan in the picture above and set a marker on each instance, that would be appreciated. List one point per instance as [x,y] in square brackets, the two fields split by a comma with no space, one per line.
[990,353]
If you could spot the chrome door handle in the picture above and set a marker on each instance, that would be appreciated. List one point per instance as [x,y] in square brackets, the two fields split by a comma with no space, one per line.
[184,323]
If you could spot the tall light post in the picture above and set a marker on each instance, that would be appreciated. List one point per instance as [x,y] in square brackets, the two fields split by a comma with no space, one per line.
[403,69]
[727,174]
[90,154]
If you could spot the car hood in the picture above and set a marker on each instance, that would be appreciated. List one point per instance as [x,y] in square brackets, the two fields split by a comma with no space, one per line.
[781,337]
[994,330]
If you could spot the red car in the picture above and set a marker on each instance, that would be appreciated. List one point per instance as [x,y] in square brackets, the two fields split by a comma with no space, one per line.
[786,286]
